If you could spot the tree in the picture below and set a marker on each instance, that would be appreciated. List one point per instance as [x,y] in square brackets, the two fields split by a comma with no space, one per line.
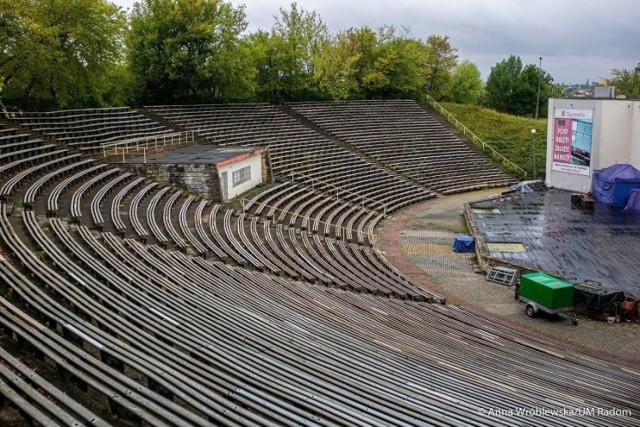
[336,68]
[465,85]
[525,91]
[501,83]
[398,70]
[186,51]
[513,89]
[442,58]
[345,65]
[627,82]
[382,64]
[289,53]
[59,53]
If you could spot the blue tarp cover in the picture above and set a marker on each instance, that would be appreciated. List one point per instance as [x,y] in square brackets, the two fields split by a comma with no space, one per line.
[633,204]
[464,244]
[613,184]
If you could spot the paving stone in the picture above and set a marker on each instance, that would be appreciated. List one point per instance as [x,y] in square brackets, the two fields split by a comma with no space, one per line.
[423,235]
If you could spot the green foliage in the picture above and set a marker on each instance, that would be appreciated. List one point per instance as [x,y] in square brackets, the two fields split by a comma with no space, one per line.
[626,82]
[510,135]
[344,67]
[287,56]
[442,59]
[501,83]
[335,70]
[513,89]
[186,51]
[80,53]
[398,70]
[58,53]
[465,85]
[383,64]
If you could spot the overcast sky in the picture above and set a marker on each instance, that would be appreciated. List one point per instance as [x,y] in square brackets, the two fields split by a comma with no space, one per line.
[577,39]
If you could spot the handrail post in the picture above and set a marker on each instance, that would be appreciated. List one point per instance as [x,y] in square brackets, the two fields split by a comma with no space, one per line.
[474,138]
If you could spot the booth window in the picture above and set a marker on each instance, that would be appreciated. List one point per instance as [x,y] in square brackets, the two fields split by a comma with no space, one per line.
[241,175]
[582,135]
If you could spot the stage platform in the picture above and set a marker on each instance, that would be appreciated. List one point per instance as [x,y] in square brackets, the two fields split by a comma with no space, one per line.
[545,231]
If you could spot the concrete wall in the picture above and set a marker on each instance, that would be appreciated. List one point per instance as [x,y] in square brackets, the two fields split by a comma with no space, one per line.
[254,162]
[613,133]
[634,155]
[201,179]
[204,179]
[615,138]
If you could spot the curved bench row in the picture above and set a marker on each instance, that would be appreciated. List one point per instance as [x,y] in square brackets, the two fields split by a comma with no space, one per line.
[37,400]
[88,128]
[234,236]
[262,350]
[406,138]
[297,152]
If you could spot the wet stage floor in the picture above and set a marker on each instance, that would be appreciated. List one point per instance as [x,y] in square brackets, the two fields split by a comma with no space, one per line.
[602,245]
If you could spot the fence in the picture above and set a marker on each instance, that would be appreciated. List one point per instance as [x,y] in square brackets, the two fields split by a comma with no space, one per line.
[145,144]
[474,138]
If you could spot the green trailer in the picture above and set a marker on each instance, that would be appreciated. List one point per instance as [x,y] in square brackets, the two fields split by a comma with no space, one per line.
[543,293]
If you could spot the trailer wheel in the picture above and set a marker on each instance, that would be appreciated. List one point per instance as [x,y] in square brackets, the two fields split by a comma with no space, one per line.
[531,312]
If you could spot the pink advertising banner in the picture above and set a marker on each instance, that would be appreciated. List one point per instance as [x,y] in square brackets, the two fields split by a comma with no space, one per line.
[572,140]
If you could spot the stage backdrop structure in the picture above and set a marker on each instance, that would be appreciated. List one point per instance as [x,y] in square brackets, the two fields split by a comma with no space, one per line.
[585,135]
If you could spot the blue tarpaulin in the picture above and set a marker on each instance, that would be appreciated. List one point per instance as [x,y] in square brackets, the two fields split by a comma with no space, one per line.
[464,244]
[613,185]
[633,204]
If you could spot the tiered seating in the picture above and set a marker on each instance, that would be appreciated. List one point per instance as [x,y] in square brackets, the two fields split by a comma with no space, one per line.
[96,202]
[306,334]
[297,152]
[240,347]
[91,127]
[52,201]
[406,138]
[233,238]
[133,211]
[76,199]
[38,400]
[36,187]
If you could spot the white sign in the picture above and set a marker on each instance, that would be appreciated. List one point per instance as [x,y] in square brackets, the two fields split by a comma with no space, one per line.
[564,113]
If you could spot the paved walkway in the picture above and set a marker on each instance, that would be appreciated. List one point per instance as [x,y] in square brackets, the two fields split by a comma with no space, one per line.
[419,242]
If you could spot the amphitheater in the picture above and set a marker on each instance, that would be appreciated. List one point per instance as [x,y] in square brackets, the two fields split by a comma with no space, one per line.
[129,302]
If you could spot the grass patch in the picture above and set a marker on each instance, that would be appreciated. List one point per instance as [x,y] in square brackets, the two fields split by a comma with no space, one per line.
[509,135]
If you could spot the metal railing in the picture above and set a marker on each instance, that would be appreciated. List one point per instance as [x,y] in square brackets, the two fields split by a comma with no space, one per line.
[372,237]
[339,191]
[472,136]
[146,143]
